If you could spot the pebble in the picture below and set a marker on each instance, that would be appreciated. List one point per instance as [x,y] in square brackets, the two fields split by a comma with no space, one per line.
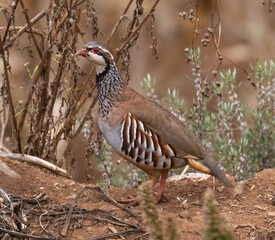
[183,214]
[186,205]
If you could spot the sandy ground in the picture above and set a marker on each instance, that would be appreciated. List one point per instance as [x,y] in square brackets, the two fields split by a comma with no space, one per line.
[248,207]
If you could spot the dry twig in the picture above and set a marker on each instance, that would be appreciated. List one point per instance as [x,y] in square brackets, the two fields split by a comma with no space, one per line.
[36,161]
[25,10]
[114,234]
[34,20]
[22,235]
[6,197]
[113,201]
[10,20]
[68,219]
[118,52]
[10,100]
[60,214]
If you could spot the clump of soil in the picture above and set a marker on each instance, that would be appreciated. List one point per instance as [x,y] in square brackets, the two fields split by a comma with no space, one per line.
[248,207]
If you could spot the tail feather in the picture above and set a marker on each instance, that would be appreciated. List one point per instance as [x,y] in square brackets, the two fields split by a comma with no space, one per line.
[211,167]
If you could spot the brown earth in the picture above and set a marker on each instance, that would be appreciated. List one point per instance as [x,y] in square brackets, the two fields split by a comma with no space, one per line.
[247,207]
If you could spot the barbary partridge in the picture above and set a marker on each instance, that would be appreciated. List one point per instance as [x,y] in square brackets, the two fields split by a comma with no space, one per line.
[141,131]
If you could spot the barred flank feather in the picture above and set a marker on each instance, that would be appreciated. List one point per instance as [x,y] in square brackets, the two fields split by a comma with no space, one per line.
[144,146]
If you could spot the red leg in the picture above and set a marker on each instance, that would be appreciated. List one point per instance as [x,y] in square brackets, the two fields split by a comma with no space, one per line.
[164,175]
[132,201]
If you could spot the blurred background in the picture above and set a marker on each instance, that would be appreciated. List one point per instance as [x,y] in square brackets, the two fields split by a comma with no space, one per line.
[247,34]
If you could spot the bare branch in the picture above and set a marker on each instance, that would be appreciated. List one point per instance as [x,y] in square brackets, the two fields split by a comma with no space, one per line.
[111,235]
[88,113]
[36,161]
[22,235]
[6,197]
[24,28]
[6,77]
[68,218]
[113,201]
[9,22]
[136,30]
[18,28]
[118,22]
[25,10]
[35,80]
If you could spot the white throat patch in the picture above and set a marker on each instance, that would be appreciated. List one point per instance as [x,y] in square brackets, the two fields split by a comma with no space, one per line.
[100,68]
[98,61]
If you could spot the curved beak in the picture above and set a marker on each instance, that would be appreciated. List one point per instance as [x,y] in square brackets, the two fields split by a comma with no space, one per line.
[83,52]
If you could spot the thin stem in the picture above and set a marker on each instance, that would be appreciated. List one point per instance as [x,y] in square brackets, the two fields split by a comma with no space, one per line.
[57,82]
[29,98]
[25,28]
[68,218]
[9,22]
[18,28]
[118,23]
[80,125]
[22,235]
[6,77]
[72,115]
[25,10]
[136,30]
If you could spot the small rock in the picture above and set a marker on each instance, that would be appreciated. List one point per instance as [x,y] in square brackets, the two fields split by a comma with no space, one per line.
[183,214]
[72,196]
[220,188]
[8,171]
[90,229]
[215,202]
[252,187]
[239,188]
[186,205]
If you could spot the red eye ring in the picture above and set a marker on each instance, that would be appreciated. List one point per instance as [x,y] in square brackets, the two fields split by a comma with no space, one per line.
[96,50]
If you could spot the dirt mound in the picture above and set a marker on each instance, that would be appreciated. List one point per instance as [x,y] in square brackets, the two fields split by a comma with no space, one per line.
[247,207]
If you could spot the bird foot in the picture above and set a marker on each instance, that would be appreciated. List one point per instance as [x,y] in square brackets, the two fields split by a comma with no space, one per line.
[133,201]
[158,198]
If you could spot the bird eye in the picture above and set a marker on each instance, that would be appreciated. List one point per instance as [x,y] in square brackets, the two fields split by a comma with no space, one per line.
[96,50]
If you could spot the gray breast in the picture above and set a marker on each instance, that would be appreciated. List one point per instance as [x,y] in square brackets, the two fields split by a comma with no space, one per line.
[111,134]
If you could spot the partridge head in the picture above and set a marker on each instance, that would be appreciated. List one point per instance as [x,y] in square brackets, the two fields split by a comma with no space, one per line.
[141,131]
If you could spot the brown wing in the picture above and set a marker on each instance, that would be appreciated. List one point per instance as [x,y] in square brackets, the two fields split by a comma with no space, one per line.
[171,130]
[145,147]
